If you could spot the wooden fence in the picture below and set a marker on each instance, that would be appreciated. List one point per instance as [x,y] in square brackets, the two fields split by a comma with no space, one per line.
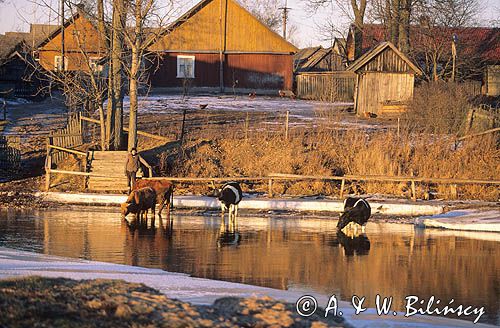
[69,137]
[481,119]
[272,177]
[10,154]
[326,86]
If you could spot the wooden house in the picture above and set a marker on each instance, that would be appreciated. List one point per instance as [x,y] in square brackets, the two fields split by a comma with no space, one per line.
[18,69]
[385,80]
[219,46]
[83,46]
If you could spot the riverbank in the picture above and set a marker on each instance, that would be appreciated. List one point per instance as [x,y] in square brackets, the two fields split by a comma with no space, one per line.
[104,300]
[386,207]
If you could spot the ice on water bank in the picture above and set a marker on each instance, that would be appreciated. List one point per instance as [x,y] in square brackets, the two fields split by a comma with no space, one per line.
[469,220]
[289,204]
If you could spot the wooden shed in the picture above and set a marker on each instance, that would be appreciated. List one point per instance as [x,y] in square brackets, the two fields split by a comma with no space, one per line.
[218,45]
[385,80]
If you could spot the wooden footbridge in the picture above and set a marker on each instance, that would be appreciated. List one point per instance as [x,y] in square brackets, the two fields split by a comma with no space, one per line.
[102,170]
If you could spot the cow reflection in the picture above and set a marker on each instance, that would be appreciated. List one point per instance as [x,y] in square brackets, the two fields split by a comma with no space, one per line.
[228,234]
[145,244]
[353,242]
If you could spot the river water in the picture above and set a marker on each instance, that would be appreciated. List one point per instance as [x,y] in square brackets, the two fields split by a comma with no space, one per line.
[298,253]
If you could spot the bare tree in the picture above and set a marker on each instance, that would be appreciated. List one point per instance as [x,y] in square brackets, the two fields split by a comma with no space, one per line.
[267,11]
[353,9]
[443,22]
[114,119]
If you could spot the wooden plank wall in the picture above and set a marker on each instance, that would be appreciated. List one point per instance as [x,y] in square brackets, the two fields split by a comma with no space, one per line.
[493,80]
[377,88]
[69,137]
[10,153]
[387,61]
[331,86]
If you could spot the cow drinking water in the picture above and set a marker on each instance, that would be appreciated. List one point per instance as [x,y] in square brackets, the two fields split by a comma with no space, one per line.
[139,202]
[356,210]
[164,192]
[230,196]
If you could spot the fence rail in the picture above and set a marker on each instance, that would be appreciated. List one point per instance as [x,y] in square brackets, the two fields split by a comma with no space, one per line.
[326,86]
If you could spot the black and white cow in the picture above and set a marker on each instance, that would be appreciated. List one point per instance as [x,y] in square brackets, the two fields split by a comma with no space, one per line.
[356,210]
[230,196]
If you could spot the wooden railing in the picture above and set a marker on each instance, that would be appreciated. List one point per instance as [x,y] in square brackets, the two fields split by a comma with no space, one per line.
[140,133]
[343,179]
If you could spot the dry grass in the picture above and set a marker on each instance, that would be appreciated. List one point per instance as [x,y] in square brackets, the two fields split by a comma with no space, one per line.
[324,152]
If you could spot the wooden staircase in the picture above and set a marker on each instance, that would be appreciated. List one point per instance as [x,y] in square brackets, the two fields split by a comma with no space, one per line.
[109,166]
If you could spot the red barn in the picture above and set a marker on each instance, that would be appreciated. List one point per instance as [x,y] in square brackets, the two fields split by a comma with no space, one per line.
[219,46]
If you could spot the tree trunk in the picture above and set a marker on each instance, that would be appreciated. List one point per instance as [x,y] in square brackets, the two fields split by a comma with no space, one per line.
[359,15]
[114,126]
[404,25]
[394,22]
[134,75]
[132,123]
[103,125]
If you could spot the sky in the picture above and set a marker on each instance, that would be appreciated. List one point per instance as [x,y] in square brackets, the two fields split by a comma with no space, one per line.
[15,15]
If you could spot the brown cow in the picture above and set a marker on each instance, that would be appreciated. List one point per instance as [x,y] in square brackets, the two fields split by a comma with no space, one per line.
[164,192]
[139,202]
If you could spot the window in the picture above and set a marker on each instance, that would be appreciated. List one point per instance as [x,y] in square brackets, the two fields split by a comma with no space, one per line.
[185,67]
[94,64]
[58,63]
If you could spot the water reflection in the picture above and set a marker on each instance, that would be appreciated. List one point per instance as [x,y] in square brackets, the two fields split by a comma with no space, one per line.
[306,254]
[229,234]
[353,242]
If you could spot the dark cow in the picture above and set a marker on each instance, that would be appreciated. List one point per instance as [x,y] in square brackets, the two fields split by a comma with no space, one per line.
[164,192]
[230,196]
[356,210]
[139,202]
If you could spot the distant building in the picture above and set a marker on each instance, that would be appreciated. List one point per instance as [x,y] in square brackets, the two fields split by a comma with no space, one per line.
[320,73]
[318,60]
[385,80]
[84,47]
[18,69]
[219,46]
[477,48]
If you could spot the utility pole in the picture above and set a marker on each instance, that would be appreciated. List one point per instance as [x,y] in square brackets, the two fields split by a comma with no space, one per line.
[285,17]
[62,36]
[454,56]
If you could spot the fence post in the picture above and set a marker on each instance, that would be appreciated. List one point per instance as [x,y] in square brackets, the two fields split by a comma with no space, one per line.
[48,165]
[454,191]
[342,188]
[270,192]
[246,125]
[286,124]
[413,191]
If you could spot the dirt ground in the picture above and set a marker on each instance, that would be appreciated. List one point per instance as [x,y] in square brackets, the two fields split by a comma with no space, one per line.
[49,302]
